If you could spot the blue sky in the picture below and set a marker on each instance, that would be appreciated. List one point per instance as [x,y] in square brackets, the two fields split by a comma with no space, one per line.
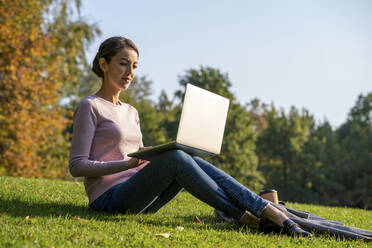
[309,54]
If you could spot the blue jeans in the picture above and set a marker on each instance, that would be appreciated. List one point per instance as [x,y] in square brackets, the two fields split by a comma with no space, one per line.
[162,179]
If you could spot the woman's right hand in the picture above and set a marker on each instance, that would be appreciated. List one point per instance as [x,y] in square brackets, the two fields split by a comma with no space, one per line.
[133,163]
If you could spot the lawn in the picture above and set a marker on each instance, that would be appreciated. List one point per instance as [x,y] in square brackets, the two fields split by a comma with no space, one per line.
[52,213]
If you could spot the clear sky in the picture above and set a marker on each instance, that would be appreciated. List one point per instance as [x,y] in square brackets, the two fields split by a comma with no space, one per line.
[314,54]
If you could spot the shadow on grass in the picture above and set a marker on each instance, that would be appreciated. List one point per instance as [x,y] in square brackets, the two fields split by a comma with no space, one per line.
[207,222]
[19,208]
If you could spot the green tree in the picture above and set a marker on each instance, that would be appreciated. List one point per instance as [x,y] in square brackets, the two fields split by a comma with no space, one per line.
[320,159]
[355,138]
[207,78]
[280,147]
[169,113]
[89,85]
[73,34]
[259,112]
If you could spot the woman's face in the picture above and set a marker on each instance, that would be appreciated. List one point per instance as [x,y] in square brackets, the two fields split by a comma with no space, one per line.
[121,69]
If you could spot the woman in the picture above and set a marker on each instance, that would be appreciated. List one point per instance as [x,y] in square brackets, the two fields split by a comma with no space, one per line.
[106,130]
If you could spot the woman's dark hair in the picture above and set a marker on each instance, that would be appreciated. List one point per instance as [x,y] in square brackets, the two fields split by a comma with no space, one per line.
[108,49]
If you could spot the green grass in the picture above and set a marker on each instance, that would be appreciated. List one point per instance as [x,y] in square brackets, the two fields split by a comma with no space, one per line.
[51,213]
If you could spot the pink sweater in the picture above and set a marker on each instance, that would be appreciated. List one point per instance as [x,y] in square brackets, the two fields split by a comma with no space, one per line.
[103,135]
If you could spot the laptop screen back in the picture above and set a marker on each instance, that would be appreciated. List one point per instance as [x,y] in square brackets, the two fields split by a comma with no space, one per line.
[203,119]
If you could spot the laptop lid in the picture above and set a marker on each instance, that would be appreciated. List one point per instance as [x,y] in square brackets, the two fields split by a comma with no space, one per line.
[203,119]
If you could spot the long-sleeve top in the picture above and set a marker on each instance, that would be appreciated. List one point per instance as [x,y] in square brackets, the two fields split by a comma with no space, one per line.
[103,135]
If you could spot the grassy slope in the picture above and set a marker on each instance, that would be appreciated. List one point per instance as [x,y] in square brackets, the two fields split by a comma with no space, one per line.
[50,213]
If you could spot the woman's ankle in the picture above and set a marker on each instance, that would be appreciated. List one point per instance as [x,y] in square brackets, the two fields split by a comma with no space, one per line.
[274,215]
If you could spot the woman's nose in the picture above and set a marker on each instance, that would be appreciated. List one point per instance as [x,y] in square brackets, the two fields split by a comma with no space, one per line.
[131,70]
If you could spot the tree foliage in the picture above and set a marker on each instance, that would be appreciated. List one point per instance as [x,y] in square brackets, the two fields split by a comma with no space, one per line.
[320,157]
[315,164]
[280,147]
[355,139]
[41,55]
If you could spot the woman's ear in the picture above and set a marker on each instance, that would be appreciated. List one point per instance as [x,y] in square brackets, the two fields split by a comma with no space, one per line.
[102,64]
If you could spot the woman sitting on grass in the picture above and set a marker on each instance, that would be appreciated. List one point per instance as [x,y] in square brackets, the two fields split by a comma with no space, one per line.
[106,130]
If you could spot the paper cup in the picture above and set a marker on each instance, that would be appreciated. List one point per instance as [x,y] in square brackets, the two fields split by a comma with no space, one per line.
[270,195]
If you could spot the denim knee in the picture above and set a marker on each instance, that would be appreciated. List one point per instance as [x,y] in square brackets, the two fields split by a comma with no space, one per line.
[172,159]
[176,155]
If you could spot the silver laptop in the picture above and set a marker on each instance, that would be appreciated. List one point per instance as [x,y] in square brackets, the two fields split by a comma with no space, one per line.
[201,127]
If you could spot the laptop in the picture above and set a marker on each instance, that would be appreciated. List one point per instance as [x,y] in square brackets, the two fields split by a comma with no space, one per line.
[201,126]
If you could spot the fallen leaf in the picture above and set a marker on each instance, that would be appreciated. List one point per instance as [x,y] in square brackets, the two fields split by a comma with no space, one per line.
[78,218]
[197,220]
[164,235]
[180,228]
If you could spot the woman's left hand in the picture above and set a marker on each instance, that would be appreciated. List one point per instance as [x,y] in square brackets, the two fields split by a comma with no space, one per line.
[142,161]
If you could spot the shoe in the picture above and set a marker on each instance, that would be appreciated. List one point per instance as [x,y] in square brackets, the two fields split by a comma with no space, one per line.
[249,220]
[292,228]
[222,216]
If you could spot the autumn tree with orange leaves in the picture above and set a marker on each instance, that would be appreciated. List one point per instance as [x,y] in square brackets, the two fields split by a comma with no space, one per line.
[42,57]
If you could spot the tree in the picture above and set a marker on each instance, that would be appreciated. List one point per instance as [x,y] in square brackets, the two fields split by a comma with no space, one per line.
[169,113]
[41,52]
[355,138]
[89,85]
[280,147]
[259,112]
[320,159]
[207,78]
